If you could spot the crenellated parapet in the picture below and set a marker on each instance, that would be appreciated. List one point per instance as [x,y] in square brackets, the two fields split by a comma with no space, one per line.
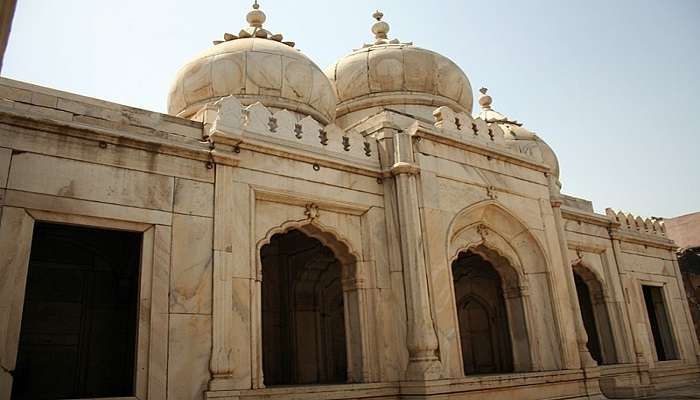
[257,121]
[632,223]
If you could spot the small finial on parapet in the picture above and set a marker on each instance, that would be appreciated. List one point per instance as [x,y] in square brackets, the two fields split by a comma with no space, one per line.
[485,100]
[380,28]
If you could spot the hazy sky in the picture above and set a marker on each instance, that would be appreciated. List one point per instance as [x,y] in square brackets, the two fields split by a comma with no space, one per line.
[612,86]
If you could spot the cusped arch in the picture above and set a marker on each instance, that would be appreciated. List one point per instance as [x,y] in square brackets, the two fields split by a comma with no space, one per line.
[329,237]
[356,311]
[601,332]
[592,278]
[490,225]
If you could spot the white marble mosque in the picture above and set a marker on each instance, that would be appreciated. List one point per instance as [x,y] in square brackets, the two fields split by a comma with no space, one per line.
[287,232]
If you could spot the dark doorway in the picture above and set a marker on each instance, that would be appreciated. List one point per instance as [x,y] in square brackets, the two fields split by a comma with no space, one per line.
[660,324]
[78,332]
[303,312]
[483,319]
[588,316]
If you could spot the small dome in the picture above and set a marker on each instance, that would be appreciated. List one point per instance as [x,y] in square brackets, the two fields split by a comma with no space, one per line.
[388,72]
[515,132]
[253,66]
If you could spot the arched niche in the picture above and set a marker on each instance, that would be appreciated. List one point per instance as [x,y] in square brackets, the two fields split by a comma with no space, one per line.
[499,237]
[484,327]
[595,313]
[335,266]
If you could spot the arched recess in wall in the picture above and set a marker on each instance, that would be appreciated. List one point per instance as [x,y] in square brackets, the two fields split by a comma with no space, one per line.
[326,333]
[591,293]
[493,233]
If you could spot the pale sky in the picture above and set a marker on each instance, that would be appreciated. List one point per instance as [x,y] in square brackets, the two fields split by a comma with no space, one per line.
[612,86]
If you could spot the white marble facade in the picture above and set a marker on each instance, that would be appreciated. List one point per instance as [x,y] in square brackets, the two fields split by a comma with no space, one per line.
[382,160]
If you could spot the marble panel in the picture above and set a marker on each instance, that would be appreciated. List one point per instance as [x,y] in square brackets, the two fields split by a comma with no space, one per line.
[5,157]
[85,208]
[197,81]
[228,74]
[386,70]
[242,262]
[290,168]
[297,79]
[352,81]
[436,223]
[224,209]
[191,269]
[85,150]
[374,244]
[450,80]
[188,356]
[542,322]
[16,229]
[322,94]
[242,331]
[158,341]
[75,179]
[302,188]
[193,198]
[176,97]
[455,196]
[263,71]
[421,75]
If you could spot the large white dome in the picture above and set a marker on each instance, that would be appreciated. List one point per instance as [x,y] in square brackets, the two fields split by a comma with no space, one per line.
[388,72]
[253,66]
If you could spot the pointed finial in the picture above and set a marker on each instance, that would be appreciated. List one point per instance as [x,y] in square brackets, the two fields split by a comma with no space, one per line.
[485,100]
[256,17]
[380,28]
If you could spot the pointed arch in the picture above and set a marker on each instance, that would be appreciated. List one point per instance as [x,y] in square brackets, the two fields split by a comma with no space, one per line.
[501,238]
[328,236]
[592,295]
[497,228]
[339,255]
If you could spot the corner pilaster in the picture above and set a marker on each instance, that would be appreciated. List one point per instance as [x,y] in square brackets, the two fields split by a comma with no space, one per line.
[422,343]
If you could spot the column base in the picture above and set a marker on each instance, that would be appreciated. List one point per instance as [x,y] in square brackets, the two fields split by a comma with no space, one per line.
[222,383]
[423,370]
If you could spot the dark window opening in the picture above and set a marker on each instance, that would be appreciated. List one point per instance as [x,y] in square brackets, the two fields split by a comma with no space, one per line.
[482,316]
[79,321]
[660,324]
[303,312]
[588,316]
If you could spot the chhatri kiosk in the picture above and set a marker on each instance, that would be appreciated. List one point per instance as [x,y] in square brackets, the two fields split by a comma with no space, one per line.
[289,232]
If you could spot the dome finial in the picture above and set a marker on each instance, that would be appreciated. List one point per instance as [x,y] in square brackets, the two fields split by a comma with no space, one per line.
[256,17]
[380,28]
[485,100]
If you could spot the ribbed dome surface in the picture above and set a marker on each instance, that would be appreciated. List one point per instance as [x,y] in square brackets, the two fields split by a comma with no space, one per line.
[396,73]
[253,69]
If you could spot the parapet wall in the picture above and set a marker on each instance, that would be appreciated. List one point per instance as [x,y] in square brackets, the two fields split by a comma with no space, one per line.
[43,102]
[228,115]
[631,223]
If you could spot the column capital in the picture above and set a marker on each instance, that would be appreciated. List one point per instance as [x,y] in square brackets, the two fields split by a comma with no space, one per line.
[402,167]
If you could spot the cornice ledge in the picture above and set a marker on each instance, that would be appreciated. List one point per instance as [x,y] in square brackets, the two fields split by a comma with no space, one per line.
[425,131]
[584,216]
[653,241]
[194,150]
[310,155]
